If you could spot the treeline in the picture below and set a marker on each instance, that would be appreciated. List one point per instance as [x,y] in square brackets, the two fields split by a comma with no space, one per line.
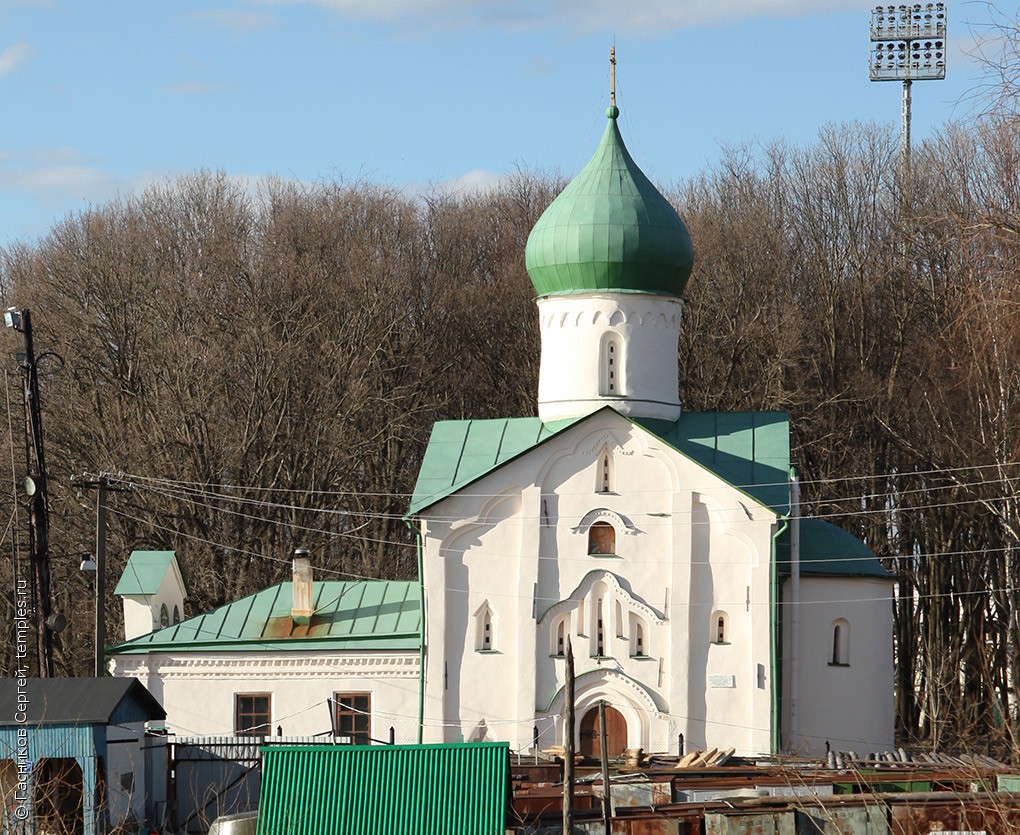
[265,368]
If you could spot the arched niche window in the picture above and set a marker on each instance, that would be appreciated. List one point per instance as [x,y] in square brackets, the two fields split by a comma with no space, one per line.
[558,636]
[720,628]
[601,630]
[840,643]
[604,477]
[164,616]
[601,539]
[485,629]
[580,617]
[638,636]
[620,622]
[610,378]
[177,614]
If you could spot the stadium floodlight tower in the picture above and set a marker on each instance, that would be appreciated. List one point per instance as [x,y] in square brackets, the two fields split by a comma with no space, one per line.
[908,44]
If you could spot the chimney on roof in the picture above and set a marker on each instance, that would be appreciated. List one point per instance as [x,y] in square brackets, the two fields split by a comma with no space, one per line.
[301,587]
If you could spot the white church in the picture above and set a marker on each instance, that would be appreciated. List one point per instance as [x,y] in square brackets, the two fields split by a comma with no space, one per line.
[657,542]
[664,548]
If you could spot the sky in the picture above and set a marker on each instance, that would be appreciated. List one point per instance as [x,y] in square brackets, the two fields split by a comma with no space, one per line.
[101,98]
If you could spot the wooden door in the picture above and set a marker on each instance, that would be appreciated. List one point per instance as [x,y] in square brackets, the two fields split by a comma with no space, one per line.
[590,742]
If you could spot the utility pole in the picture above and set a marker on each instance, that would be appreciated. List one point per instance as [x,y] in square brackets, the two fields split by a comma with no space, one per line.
[102,484]
[35,486]
[568,743]
[607,794]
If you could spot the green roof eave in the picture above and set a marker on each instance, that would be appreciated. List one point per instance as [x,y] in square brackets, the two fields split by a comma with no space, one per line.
[614,291]
[829,551]
[410,642]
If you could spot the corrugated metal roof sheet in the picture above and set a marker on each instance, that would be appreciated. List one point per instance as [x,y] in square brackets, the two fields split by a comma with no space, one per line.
[750,450]
[144,572]
[826,550]
[454,789]
[369,614]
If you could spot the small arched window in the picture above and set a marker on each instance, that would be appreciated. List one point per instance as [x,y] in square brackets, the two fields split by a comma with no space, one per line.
[164,616]
[600,631]
[720,627]
[601,539]
[177,614]
[485,629]
[558,644]
[604,482]
[840,643]
[638,636]
[610,381]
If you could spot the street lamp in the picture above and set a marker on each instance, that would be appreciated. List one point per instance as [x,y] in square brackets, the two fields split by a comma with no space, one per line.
[908,43]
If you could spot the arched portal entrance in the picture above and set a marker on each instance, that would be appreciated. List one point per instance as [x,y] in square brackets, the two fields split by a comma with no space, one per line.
[590,743]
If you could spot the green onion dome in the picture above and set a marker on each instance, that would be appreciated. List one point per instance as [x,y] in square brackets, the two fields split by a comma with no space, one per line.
[609,230]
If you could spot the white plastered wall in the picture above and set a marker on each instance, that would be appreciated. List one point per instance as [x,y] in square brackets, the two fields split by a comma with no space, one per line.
[573,329]
[142,612]
[197,689]
[848,705]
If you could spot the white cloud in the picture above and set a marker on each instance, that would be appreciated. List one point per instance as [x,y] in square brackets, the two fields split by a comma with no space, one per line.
[237,20]
[56,175]
[580,15]
[14,56]
[475,180]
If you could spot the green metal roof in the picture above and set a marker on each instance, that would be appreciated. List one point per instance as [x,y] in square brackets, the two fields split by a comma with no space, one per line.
[609,230]
[145,571]
[750,450]
[826,550]
[451,789]
[461,451]
[369,614]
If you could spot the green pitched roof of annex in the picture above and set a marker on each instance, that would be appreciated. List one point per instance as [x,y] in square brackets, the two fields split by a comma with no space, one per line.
[145,571]
[457,788]
[827,550]
[609,230]
[367,614]
[750,450]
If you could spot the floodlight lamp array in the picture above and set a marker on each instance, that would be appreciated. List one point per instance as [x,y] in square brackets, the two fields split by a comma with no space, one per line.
[901,60]
[920,20]
[908,42]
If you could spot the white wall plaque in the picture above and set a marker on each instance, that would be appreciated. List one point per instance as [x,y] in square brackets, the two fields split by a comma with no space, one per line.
[722,681]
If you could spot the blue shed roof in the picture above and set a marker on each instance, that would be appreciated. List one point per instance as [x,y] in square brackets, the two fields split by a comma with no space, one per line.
[77,701]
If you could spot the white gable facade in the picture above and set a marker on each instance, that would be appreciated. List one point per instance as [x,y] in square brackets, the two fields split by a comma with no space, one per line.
[517,547]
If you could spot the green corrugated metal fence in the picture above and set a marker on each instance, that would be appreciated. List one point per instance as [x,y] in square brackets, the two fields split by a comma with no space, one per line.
[455,788]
